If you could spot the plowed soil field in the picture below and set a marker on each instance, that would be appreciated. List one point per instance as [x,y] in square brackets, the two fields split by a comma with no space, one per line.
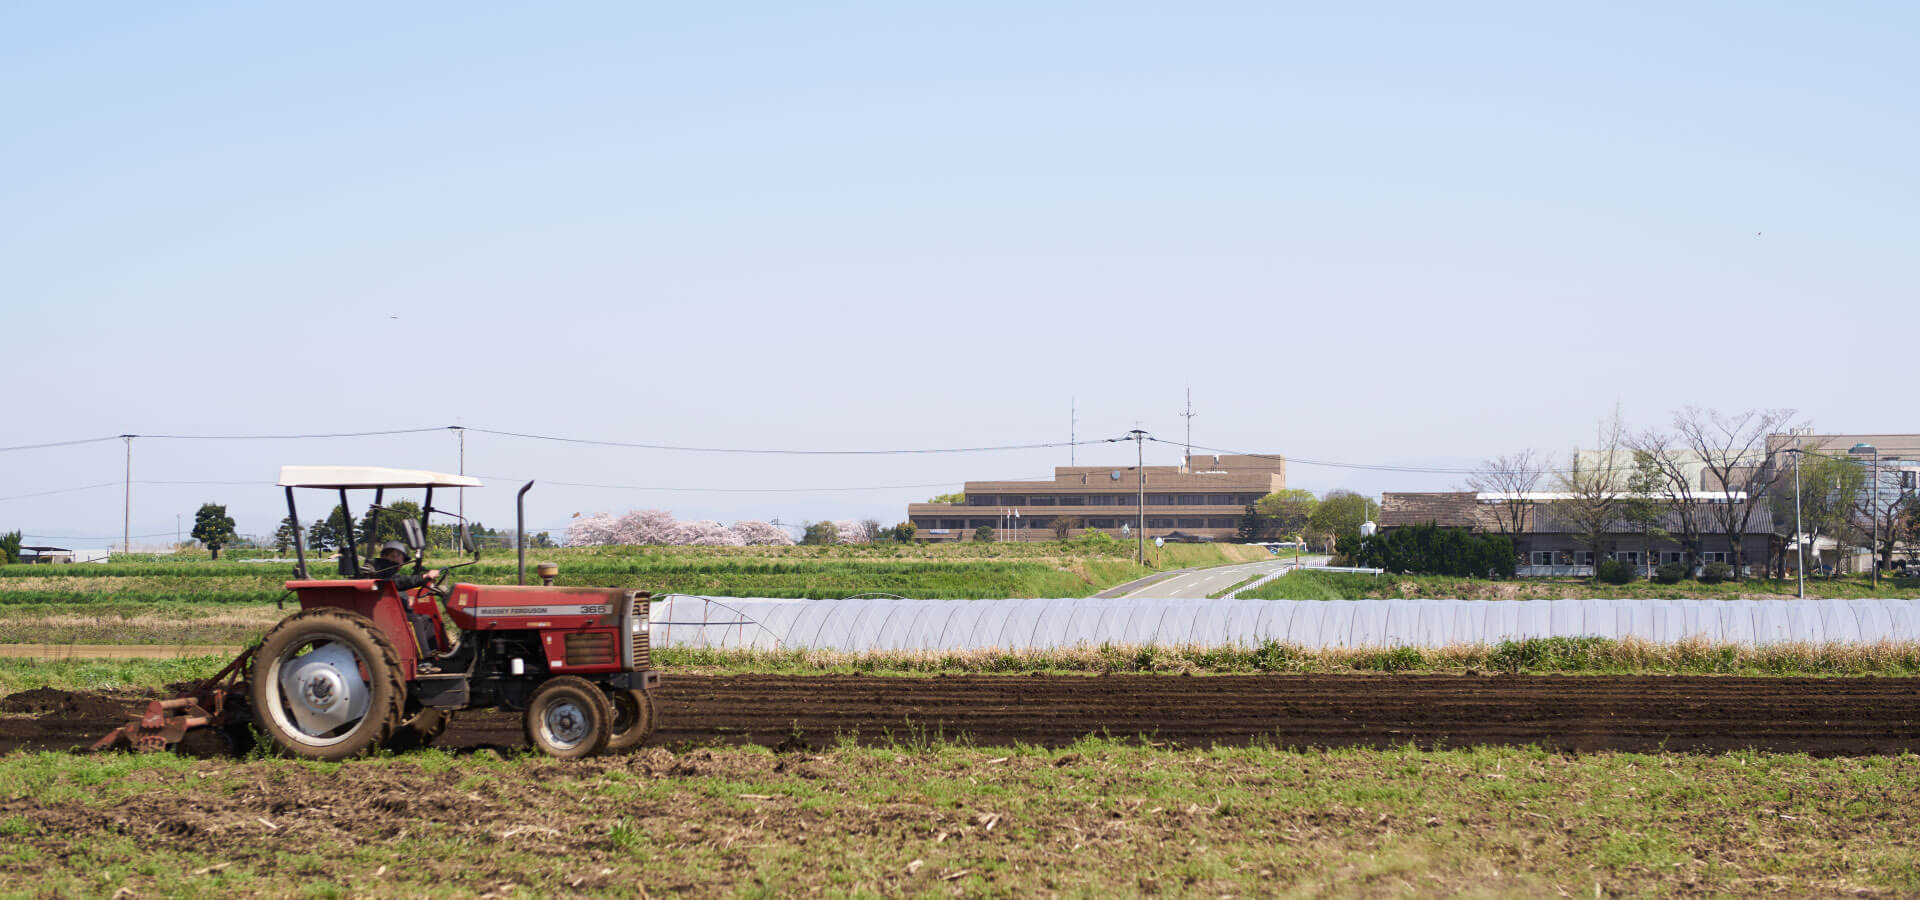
[1834,716]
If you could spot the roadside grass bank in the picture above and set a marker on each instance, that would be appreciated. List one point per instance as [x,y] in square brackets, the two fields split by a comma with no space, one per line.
[1591,655]
[1309,585]
[1101,818]
[1569,656]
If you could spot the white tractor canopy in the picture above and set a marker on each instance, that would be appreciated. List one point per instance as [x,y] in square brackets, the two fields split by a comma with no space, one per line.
[355,477]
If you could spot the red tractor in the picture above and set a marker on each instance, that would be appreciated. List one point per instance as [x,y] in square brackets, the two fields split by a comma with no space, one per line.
[364,665]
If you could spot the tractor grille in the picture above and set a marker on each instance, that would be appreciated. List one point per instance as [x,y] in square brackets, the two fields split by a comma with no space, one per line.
[590,649]
[642,651]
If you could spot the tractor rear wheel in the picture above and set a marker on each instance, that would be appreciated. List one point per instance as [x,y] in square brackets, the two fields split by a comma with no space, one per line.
[419,729]
[568,718]
[632,720]
[326,685]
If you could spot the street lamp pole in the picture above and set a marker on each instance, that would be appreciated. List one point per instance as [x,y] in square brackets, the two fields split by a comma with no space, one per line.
[1799,536]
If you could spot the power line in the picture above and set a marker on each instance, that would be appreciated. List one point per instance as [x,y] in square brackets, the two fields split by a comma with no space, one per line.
[780,451]
[73,443]
[84,487]
[281,437]
[721,490]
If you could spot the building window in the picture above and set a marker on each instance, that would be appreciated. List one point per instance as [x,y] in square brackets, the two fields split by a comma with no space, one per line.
[976,523]
[1162,499]
[1541,557]
[982,500]
[1038,522]
[1218,522]
[1627,556]
[1072,500]
[1223,500]
[1039,500]
[1102,500]
[1583,557]
[1712,556]
[1192,523]
[953,523]
[1101,523]
[1193,499]
[1673,556]
[1160,523]
[1014,500]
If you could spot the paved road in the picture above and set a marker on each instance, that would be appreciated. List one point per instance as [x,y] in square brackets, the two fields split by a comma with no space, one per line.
[1218,578]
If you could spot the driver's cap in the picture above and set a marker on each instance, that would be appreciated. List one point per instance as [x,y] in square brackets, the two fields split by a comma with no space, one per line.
[394,545]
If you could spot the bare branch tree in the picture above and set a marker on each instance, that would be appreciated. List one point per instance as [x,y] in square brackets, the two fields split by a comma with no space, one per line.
[1594,485]
[1734,451]
[1511,478]
[1656,450]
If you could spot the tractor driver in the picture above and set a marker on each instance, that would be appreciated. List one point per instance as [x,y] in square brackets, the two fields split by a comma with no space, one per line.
[387,568]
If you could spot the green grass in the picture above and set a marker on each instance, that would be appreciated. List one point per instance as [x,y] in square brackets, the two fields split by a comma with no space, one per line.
[1308,585]
[984,571]
[120,675]
[1101,818]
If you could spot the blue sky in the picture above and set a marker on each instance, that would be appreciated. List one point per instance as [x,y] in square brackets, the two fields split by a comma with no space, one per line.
[1369,232]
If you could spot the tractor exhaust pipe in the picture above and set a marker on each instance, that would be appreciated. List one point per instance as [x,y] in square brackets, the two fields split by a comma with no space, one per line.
[520,528]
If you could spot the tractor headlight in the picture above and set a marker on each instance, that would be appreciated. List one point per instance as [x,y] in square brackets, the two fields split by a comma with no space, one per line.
[641,608]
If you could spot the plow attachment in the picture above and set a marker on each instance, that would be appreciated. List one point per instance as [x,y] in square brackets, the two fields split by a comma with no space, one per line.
[218,703]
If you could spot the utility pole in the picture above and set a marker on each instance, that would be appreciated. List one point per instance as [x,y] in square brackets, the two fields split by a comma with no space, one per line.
[463,471]
[1073,426]
[126,523]
[1140,467]
[1188,415]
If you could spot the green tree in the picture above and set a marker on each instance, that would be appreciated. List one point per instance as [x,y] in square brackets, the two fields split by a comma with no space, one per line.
[1288,510]
[330,533]
[1064,526]
[1430,549]
[213,527]
[390,518]
[286,535]
[1830,490]
[1340,514]
[955,499]
[905,531]
[1644,508]
[983,534]
[821,534]
[10,547]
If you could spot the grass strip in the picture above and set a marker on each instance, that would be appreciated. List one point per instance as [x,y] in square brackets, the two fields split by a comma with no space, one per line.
[1570,656]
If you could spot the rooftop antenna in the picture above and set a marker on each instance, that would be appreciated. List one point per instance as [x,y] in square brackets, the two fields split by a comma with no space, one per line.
[1188,415]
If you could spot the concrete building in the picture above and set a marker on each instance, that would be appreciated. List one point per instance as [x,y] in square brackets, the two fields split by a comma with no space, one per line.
[1204,498]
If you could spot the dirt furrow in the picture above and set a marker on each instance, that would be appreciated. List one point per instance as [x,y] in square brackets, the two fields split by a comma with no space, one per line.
[1822,716]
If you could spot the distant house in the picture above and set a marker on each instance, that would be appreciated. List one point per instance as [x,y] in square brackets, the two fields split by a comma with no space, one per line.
[62,555]
[1549,545]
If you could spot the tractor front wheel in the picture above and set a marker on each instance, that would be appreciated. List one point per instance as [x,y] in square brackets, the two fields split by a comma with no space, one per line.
[326,685]
[568,718]
[632,719]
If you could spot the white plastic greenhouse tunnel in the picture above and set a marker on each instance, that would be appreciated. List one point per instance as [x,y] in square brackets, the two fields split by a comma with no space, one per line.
[862,624]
